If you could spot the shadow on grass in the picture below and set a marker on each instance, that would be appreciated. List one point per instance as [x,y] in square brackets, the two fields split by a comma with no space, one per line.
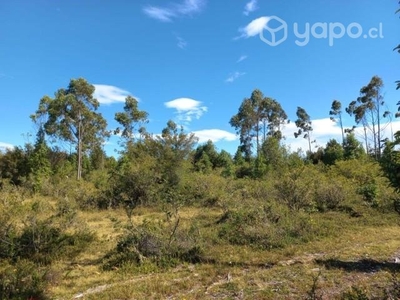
[362,265]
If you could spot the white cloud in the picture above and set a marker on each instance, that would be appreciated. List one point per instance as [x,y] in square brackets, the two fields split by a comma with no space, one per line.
[5,146]
[250,7]
[214,135]
[187,109]
[189,7]
[242,58]
[325,129]
[108,94]
[233,76]
[387,131]
[161,14]
[181,43]
[174,10]
[254,28]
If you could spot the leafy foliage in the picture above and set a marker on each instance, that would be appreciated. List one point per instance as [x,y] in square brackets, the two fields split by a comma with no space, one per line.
[258,117]
[336,115]
[367,109]
[274,198]
[22,280]
[352,147]
[294,191]
[391,162]
[333,152]
[40,239]
[162,243]
[71,116]
[329,196]
[303,123]
[131,120]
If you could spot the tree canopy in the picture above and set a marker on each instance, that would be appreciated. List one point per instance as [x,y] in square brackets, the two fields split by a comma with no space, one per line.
[72,116]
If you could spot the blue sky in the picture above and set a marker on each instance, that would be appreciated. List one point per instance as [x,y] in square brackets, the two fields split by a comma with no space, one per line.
[194,61]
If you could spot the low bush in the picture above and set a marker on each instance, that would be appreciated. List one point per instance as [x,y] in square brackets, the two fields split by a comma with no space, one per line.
[22,280]
[295,189]
[203,189]
[329,196]
[162,243]
[36,232]
[369,193]
[271,226]
[83,193]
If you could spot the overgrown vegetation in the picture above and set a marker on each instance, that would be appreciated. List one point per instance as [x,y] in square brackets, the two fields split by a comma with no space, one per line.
[167,205]
[171,215]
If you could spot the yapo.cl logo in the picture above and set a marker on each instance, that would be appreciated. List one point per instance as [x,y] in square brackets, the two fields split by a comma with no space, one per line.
[273,33]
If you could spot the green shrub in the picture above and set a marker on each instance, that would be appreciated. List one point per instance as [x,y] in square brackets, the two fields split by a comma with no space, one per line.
[34,231]
[83,193]
[295,190]
[22,280]
[268,227]
[369,193]
[396,205]
[202,189]
[39,242]
[246,227]
[8,237]
[355,293]
[161,243]
[42,242]
[329,196]
[133,183]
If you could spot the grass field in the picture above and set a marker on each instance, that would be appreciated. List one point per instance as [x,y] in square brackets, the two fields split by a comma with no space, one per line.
[356,253]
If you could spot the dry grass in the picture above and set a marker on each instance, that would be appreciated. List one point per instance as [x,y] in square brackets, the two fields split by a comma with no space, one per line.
[237,272]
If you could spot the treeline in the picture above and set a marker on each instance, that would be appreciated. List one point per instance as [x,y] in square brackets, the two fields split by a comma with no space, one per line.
[266,200]
[72,117]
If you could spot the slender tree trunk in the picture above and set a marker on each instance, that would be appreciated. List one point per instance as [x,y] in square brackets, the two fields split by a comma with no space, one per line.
[257,137]
[374,134]
[366,139]
[79,173]
[379,126]
[309,141]
[341,127]
[265,132]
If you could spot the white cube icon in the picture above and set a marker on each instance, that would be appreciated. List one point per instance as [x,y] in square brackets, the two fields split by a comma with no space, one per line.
[273,41]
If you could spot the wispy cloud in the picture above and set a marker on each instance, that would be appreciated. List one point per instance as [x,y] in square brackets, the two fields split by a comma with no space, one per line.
[187,109]
[214,135]
[5,146]
[254,28]
[233,76]
[2,75]
[108,94]
[250,7]
[242,58]
[161,14]
[174,10]
[181,43]
[189,7]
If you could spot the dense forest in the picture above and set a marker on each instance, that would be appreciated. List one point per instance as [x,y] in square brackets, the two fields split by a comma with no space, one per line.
[168,205]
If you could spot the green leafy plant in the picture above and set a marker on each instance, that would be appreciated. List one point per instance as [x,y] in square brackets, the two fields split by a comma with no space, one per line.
[22,280]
